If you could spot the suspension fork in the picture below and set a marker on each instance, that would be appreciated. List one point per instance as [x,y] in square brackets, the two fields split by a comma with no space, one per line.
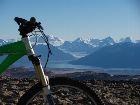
[39,71]
[43,79]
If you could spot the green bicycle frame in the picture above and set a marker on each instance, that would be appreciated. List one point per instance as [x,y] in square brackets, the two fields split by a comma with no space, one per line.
[14,51]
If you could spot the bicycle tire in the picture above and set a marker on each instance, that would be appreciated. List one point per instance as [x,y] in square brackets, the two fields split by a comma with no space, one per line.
[60,81]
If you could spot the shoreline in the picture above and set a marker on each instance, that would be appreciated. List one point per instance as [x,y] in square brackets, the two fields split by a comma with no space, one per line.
[113,71]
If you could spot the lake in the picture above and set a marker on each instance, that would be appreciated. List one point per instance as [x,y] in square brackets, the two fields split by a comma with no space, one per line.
[65,65]
[72,68]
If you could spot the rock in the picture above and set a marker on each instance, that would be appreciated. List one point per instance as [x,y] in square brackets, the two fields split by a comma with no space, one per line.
[112,92]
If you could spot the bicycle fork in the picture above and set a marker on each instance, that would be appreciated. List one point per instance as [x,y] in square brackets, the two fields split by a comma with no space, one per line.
[43,79]
[39,72]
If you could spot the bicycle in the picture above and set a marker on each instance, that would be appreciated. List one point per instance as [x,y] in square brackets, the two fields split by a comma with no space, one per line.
[48,91]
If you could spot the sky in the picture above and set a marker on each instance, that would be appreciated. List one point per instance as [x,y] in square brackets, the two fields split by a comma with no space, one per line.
[69,19]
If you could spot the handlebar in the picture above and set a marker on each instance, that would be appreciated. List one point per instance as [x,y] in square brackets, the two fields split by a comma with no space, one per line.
[39,26]
[26,27]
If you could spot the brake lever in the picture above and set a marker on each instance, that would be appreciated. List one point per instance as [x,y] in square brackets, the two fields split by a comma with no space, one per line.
[39,26]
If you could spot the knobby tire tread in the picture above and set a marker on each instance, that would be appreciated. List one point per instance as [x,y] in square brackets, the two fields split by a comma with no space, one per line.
[59,81]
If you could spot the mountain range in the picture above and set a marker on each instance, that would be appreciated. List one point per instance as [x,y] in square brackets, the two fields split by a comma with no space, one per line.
[105,53]
[40,49]
[82,46]
[86,45]
[79,47]
[55,41]
[119,55]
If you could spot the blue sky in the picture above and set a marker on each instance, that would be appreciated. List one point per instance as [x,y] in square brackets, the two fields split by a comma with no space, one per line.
[69,19]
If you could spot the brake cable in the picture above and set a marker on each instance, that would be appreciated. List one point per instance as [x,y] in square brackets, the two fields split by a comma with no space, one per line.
[46,40]
[36,38]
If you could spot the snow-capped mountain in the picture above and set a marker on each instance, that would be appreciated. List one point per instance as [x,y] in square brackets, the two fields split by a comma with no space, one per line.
[78,45]
[2,42]
[55,41]
[103,42]
[87,41]
[86,45]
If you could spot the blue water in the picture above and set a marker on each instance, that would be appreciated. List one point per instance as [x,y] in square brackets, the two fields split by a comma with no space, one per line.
[72,68]
[66,64]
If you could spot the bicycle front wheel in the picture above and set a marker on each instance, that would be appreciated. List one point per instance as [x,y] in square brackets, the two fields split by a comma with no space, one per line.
[64,91]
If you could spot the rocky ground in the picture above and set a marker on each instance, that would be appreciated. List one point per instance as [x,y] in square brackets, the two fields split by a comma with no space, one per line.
[117,92]
[112,92]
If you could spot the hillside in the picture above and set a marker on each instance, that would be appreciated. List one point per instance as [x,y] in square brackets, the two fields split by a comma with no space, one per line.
[121,55]
[113,92]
